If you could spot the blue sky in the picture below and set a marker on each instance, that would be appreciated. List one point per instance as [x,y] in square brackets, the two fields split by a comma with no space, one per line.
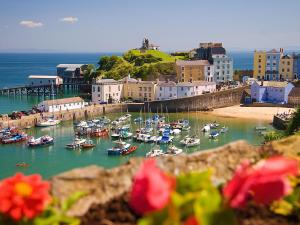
[117,25]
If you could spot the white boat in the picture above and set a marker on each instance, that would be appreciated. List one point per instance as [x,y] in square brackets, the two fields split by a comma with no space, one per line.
[76,143]
[48,123]
[155,153]
[176,131]
[41,141]
[206,128]
[146,138]
[173,150]
[190,141]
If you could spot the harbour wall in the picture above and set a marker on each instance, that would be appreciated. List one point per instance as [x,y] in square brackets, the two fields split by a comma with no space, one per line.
[196,103]
[76,114]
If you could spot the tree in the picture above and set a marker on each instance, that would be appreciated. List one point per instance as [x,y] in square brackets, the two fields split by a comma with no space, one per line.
[294,125]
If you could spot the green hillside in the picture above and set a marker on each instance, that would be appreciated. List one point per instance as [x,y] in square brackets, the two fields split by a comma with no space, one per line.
[140,64]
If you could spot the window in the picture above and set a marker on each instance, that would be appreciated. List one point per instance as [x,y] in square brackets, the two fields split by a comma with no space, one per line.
[119,88]
[98,88]
[109,88]
[140,88]
[182,88]
[98,95]
[145,95]
[171,95]
[288,70]
[288,63]
[149,95]
[140,94]
[259,60]
[94,89]
[160,88]
[149,88]
[170,88]
[208,68]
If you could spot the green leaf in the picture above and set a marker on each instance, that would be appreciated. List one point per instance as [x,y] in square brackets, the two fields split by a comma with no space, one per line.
[68,203]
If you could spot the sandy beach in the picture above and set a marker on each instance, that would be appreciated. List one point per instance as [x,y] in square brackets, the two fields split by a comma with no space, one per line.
[259,113]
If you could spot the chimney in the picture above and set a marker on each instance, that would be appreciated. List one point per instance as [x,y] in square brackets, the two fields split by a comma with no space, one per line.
[281,50]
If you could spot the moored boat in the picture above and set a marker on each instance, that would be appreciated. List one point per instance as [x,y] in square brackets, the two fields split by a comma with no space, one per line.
[155,152]
[15,138]
[129,150]
[41,141]
[87,144]
[214,134]
[76,143]
[173,150]
[48,123]
[120,147]
[190,141]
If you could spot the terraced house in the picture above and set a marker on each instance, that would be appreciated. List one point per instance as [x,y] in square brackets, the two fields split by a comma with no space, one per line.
[139,90]
[193,70]
[286,68]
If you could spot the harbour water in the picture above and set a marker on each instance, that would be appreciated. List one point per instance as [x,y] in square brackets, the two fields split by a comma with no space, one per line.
[54,159]
[48,161]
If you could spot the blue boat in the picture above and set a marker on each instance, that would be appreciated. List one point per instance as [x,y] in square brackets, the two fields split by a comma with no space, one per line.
[119,148]
[214,134]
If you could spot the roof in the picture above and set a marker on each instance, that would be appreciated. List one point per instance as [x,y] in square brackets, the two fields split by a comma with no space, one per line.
[192,63]
[273,83]
[69,65]
[273,51]
[295,92]
[167,84]
[218,51]
[43,77]
[286,57]
[62,101]
[129,79]
[195,83]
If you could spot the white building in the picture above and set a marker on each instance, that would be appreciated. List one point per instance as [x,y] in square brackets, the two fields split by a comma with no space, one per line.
[166,90]
[209,72]
[189,89]
[223,68]
[61,104]
[39,80]
[107,90]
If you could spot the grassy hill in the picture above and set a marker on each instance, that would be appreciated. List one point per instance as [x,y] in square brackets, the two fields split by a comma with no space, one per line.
[140,64]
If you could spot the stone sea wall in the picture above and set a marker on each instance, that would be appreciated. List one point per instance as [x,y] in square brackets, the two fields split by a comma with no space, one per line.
[76,114]
[197,103]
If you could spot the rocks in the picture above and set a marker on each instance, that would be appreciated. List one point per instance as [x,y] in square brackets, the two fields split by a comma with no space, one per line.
[104,186]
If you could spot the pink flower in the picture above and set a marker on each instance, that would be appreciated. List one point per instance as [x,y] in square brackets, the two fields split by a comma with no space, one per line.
[191,221]
[264,182]
[23,196]
[151,189]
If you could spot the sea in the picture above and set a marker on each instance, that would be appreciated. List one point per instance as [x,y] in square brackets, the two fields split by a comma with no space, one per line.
[54,159]
[16,67]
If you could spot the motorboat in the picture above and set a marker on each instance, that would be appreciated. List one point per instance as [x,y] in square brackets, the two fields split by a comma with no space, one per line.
[190,141]
[214,134]
[176,131]
[146,138]
[119,148]
[76,143]
[87,144]
[41,141]
[129,150]
[22,164]
[165,139]
[115,135]
[155,152]
[214,125]
[100,132]
[173,150]
[48,123]
[15,138]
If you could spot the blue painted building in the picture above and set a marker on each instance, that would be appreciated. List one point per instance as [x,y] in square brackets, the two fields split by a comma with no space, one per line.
[296,66]
[272,64]
[271,91]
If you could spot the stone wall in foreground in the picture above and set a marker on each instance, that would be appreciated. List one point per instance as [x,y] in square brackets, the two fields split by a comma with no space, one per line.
[103,185]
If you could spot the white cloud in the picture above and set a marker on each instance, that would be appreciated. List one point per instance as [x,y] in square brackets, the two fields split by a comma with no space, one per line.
[70,19]
[31,24]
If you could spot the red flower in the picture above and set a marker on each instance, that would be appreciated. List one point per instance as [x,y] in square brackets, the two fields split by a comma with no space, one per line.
[191,221]
[151,189]
[264,182]
[23,196]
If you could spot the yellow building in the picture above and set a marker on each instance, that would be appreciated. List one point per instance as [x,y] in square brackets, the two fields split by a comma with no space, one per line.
[259,64]
[138,89]
[193,70]
[286,67]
